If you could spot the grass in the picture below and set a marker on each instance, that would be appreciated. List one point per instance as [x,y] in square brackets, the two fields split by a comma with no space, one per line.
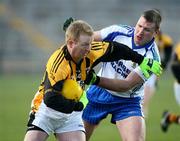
[17,91]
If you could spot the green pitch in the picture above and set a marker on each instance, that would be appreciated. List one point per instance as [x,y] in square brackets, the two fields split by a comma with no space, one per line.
[17,91]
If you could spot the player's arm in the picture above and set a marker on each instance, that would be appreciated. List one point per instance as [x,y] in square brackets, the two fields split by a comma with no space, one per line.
[121,85]
[117,51]
[54,99]
[59,103]
[118,85]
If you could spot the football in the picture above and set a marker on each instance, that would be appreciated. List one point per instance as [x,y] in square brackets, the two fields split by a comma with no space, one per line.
[72,90]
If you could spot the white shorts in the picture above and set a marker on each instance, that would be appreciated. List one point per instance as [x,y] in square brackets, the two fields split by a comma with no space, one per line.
[52,121]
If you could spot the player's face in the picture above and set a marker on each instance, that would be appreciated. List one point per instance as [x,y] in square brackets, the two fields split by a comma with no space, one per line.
[144,32]
[81,47]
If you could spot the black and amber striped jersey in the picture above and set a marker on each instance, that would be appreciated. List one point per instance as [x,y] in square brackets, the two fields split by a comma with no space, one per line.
[163,41]
[175,65]
[165,45]
[61,66]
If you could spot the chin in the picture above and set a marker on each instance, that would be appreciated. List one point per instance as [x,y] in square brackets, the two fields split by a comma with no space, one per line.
[137,43]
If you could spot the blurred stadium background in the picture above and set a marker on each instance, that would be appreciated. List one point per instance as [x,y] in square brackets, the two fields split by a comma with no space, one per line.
[30,30]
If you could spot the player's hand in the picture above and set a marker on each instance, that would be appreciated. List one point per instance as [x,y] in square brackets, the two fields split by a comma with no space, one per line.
[149,65]
[67,23]
[84,99]
[92,78]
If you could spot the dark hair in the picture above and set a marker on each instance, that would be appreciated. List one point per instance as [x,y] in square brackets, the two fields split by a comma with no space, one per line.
[153,16]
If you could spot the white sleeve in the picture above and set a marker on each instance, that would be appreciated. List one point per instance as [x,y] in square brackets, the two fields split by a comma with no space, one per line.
[111,29]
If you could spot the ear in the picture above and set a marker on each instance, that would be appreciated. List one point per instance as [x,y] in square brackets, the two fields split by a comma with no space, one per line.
[70,43]
[158,32]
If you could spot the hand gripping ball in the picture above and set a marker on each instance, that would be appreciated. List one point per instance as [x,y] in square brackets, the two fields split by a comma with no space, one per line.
[72,90]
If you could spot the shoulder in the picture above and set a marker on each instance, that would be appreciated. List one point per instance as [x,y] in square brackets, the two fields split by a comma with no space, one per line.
[113,31]
[177,48]
[177,51]
[57,60]
[98,49]
[118,28]
[57,55]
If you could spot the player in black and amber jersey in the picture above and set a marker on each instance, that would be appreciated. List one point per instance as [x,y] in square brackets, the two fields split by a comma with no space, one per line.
[165,45]
[176,64]
[53,113]
[169,118]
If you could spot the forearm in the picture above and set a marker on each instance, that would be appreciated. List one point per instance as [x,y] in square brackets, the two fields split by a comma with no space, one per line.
[59,103]
[114,84]
[118,85]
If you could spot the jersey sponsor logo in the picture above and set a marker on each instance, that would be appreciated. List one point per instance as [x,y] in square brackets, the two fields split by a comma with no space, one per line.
[120,68]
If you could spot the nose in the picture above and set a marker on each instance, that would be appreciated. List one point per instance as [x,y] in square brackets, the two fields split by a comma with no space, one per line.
[141,31]
[87,50]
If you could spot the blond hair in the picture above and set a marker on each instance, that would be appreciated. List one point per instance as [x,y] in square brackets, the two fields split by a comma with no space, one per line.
[78,28]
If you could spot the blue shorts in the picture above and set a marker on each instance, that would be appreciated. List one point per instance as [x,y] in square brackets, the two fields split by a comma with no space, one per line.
[101,103]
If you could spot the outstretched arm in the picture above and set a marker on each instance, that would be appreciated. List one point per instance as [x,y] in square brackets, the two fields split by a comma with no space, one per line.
[117,51]
[121,85]
[117,85]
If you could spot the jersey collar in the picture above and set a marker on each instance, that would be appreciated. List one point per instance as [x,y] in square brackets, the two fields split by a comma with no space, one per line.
[68,56]
[66,53]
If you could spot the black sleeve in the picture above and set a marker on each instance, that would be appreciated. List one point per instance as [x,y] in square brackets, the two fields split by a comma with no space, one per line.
[167,56]
[55,100]
[61,104]
[117,51]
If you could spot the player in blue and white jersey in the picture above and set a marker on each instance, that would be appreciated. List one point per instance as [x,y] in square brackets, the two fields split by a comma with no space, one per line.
[123,102]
